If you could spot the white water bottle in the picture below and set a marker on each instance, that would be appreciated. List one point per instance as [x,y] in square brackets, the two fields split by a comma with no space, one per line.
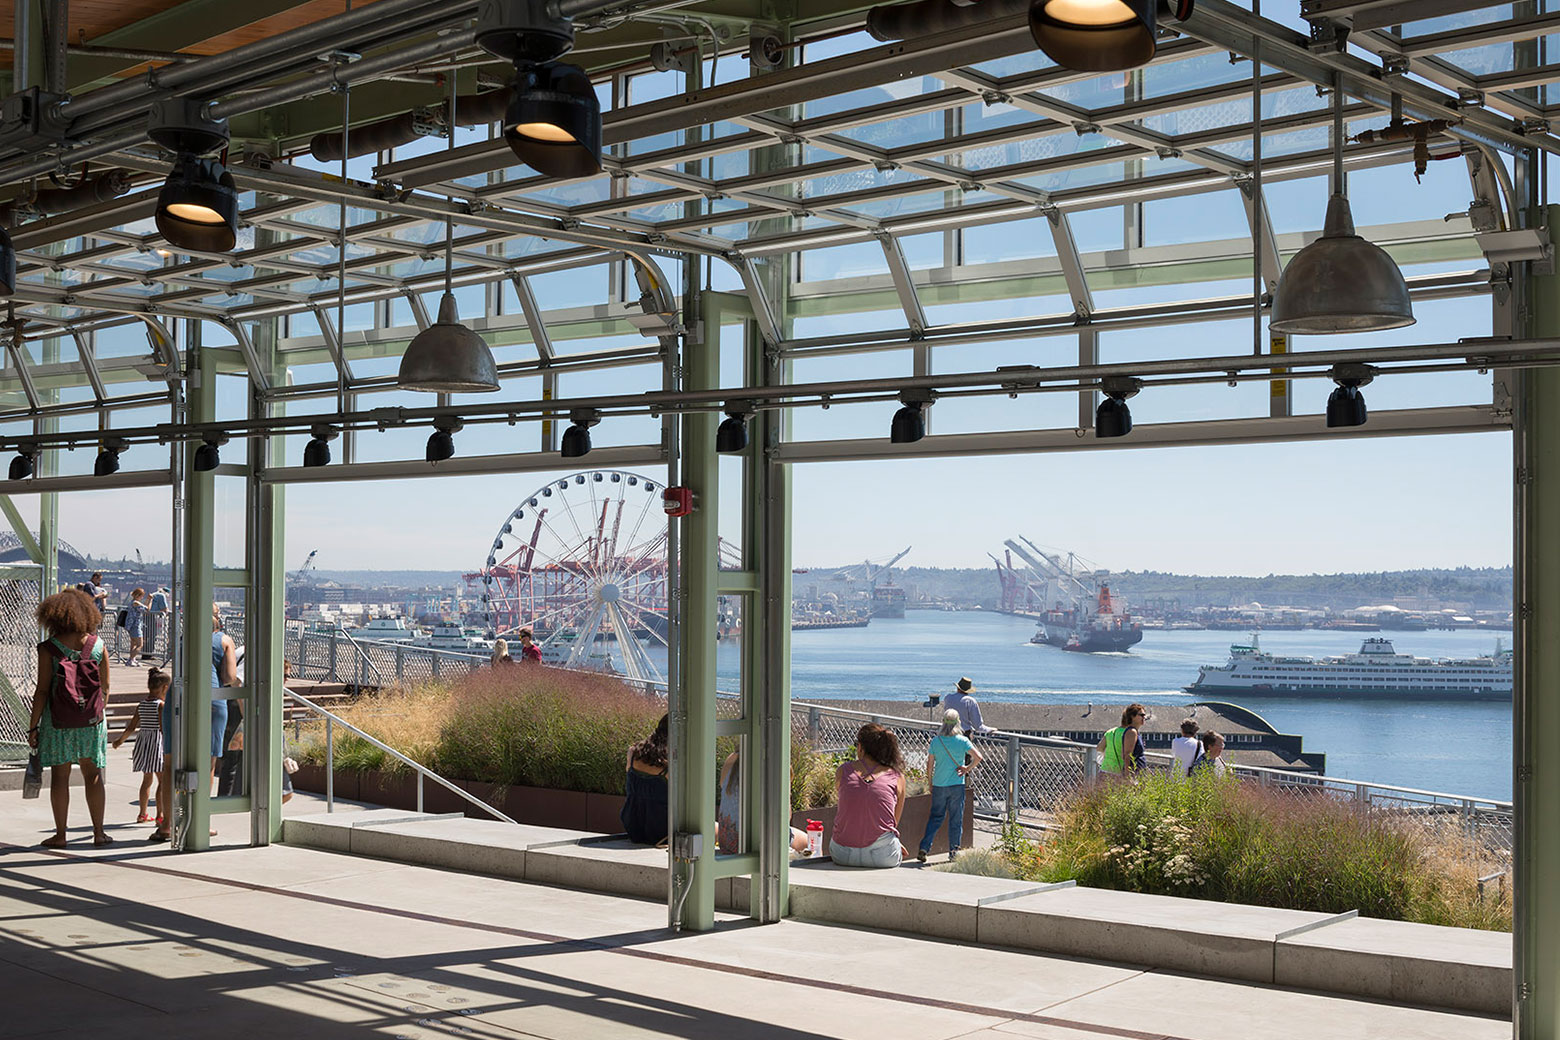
[814,838]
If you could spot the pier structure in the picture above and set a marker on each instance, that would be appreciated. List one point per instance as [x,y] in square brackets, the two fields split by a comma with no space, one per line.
[741,238]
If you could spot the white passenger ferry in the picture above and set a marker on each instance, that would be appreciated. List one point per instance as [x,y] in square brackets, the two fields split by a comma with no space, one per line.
[386,629]
[1377,671]
[454,637]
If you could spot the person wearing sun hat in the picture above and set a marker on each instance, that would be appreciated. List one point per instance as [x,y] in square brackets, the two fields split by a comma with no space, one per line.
[969,711]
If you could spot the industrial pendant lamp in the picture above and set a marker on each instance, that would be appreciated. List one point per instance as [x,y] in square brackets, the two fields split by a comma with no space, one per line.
[576,439]
[553,123]
[1113,418]
[197,208]
[1340,282]
[447,357]
[1346,405]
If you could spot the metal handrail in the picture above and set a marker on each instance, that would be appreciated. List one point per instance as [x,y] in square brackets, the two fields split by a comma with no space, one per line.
[363,659]
[332,720]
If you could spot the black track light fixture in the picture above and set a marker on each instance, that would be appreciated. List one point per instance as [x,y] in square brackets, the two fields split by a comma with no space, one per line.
[909,423]
[317,451]
[107,461]
[576,439]
[1346,405]
[209,455]
[1113,418]
[22,465]
[1102,35]
[732,435]
[441,442]
[197,208]
[553,123]
[7,264]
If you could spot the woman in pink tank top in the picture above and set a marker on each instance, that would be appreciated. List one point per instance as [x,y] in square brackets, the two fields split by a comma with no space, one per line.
[871,800]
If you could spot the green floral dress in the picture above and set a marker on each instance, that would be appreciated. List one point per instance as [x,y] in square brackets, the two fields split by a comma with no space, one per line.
[57,747]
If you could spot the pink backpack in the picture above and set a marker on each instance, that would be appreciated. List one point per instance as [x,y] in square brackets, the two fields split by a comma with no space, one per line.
[76,696]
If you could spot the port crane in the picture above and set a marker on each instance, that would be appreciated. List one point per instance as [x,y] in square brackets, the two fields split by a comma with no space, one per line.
[872,573]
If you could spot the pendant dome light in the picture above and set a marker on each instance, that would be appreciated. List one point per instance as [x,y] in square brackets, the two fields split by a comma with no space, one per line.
[1340,282]
[447,357]
[553,123]
[197,208]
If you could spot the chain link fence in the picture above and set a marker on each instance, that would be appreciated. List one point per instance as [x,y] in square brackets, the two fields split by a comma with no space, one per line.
[18,663]
[1031,778]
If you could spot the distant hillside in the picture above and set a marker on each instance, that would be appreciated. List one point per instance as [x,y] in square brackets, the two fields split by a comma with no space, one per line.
[402,579]
[1477,588]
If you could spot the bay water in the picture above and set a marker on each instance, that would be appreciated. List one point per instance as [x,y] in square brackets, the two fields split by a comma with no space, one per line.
[1455,747]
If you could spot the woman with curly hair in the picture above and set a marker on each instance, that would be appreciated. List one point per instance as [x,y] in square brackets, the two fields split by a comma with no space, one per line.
[67,711]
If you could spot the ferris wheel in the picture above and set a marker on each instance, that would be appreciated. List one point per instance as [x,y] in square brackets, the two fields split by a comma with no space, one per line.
[581,561]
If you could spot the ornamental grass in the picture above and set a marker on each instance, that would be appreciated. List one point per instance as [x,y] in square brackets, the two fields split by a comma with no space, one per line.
[1240,842]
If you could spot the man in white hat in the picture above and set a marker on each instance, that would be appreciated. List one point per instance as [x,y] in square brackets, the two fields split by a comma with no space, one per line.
[969,711]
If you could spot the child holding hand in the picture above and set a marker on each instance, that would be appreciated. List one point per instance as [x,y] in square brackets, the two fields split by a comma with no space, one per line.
[147,756]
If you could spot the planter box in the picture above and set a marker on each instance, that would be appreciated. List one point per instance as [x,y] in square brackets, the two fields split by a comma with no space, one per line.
[571,810]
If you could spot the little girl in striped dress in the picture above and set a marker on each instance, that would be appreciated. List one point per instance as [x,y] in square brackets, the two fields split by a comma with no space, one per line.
[147,755]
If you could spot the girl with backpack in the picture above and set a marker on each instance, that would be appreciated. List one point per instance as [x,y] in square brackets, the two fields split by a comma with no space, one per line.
[67,724]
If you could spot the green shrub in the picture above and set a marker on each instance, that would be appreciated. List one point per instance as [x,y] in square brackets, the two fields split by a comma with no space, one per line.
[543,727]
[1213,838]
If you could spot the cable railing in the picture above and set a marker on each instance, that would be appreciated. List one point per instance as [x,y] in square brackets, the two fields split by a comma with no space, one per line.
[333,720]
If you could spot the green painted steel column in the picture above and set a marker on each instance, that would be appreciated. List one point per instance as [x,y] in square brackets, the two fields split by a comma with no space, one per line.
[1536,716]
[694,757]
[264,604]
[193,678]
[768,500]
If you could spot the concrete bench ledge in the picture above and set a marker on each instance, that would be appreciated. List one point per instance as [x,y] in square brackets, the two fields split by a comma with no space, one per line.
[1389,960]
[1395,960]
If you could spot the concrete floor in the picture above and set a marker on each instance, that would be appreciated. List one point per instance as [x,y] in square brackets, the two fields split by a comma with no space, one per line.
[301,943]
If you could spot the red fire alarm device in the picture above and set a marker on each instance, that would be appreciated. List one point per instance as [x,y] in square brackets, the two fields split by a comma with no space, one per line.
[677,501]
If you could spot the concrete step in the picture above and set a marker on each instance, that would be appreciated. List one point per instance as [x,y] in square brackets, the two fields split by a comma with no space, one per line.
[1384,960]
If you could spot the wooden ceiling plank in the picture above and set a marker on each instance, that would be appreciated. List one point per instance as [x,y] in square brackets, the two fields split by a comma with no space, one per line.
[179,26]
